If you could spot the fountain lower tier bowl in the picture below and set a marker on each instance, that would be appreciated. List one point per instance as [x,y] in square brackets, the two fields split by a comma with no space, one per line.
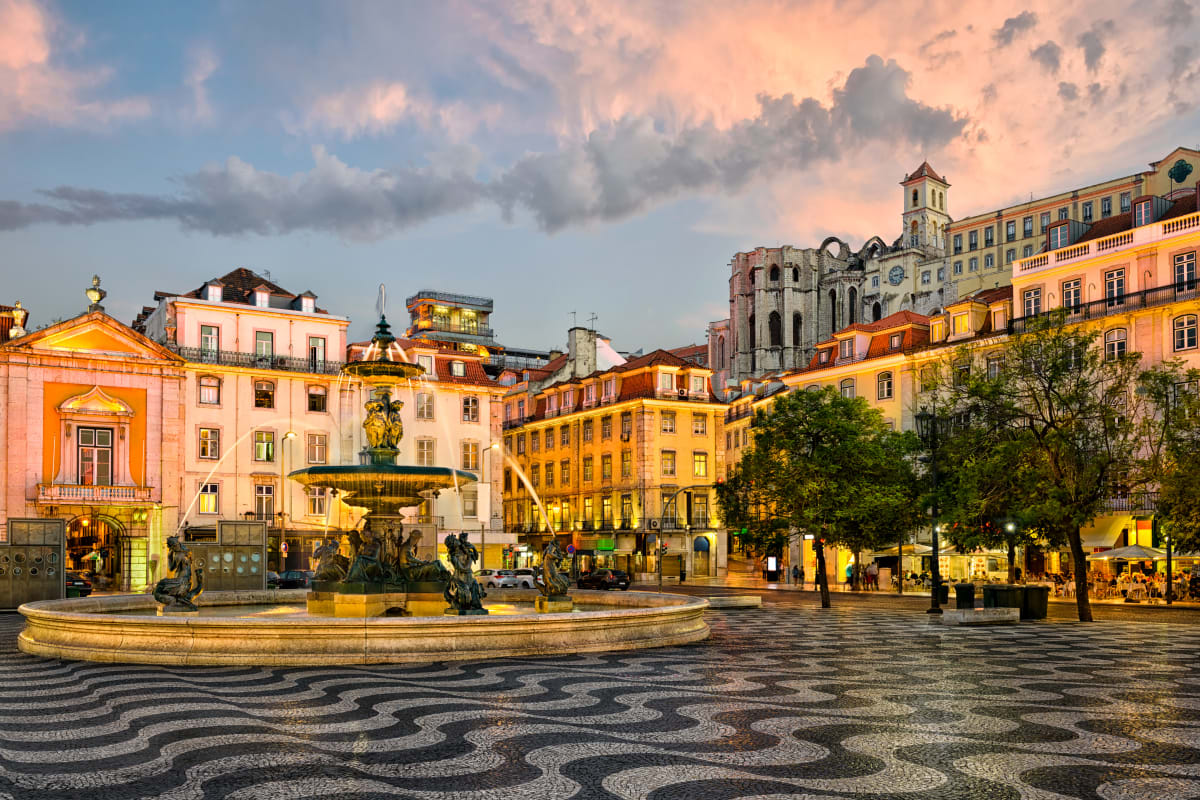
[271,628]
[383,488]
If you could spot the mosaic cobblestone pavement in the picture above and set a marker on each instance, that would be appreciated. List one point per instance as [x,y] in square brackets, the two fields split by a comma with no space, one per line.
[782,702]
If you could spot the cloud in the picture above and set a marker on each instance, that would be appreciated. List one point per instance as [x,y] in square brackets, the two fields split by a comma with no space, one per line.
[380,107]
[1178,15]
[35,89]
[615,172]
[1068,91]
[1049,55]
[202,63]
[1014,27]
[1092,43]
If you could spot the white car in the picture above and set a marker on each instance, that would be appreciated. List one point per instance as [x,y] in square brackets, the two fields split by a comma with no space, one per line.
[499,579]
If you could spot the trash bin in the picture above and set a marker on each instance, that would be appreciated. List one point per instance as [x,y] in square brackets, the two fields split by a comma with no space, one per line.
[1034,601]
[944,594]
[964,595]
[1001,595]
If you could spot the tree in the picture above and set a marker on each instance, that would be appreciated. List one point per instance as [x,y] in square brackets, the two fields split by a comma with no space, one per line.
[1170,460]
[828,466]
[1063,411]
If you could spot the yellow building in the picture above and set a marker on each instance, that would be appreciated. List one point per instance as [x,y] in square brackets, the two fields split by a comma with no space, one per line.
[621,460]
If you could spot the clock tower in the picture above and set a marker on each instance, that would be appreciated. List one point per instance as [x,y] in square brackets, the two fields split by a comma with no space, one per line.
[925,219]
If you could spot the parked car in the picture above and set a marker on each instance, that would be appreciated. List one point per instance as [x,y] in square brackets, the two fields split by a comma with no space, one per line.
[604,579]
[272,580]
[77,585]
[294,579]
[526,578]
[497,578]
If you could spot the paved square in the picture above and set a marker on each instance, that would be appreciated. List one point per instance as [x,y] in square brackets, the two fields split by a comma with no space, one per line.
[782,702]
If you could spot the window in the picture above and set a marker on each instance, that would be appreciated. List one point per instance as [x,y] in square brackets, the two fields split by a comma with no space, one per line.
[605,428]
[262,299]
[626,464]
[938,331]
[210,342]
[1059,236]
[316,501]
[994,363]
[565,472]
[1114,286]
[1064,213]
[606,467]
[1114,344]
[895,340]
[587,430]
[1184,329]
[962,374]
[666,381]
[520,444]
[699,424]
[264,445]
[1044,220]
[823,357]
[1026,227]
[874,285]
[210,498]
[998,320]
[1010,255]
[520,409]
[1106,207]
[317,397]
[697,384]
[610,388]
[564,435]
[264,394]
[210,390]
[883,386]
[989,261]
[1027,251]
[700,464]
[425,453]
[425,406]
[958,243]
[264,502]
[668,462]
[568,400]
[668,422]
[213,293]
[626,426]
[316,353]
[1010,231]
[973,240]
[846,388]
[549,438]
[589,394]
[470,409]
[1125,198]
[1072,294]
[425,363]
[973,264]
[1141,214]
[588,513]
[535,475]
[264,344]
[989,236]
[958,323]
[958,268]
[317,449]
[1087,211]
[1033,302]
[587,469]
[1185,271]
[549,474]
[535,441]
[925,276]
[846,348]
[606,512]
[210,443]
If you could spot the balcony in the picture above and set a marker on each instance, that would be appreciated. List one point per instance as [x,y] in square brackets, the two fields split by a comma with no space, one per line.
[67,494]
[449,298]
[1134,237]
[1110,306]
[734,414]
[460,329]
[228,358]
[1141,502]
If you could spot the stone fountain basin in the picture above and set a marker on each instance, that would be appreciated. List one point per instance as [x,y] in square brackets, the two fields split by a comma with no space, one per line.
[383,487]
[94,629]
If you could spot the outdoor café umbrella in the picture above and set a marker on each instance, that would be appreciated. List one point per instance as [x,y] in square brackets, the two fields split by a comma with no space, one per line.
[911,549]
[1134,552]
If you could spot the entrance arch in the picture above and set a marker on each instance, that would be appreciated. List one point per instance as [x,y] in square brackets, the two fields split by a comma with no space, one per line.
[701,563]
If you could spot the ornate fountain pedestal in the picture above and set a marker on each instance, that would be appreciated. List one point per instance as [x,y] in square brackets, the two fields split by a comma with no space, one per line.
[555,604]
[337,599]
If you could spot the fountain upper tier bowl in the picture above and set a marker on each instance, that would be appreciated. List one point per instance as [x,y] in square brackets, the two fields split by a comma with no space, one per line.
[383,488]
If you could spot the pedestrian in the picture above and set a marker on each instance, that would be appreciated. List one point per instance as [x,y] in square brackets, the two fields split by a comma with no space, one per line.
[801,576]
[795,574]
[873,575]
[849,575]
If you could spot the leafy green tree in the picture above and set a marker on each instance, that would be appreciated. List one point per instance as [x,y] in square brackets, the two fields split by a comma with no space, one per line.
[824,465]
[1170,459]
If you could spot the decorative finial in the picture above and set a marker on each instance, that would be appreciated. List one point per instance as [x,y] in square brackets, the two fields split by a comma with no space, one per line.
[19,315]
[95,294]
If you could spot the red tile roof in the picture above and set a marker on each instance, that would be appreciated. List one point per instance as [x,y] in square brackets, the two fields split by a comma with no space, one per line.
[652,359]
[238,286]
[474,374]
[924,171]
[1122,222]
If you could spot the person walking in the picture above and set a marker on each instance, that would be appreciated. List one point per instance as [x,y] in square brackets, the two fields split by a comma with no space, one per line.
[796,574]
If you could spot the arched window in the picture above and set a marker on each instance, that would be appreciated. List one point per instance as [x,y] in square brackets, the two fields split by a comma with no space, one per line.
[796,329]
[720,352]
[1114,344]
[774,274]
[913,228]
[876,312]
[942,201]
[1185,332]
[833,309]
[853,305]
[751,277]
[752,332]
[795,275]
[775,329]
[914,200]
[846,388]
[883,386]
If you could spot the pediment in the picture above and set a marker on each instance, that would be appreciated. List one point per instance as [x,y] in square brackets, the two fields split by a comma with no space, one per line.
[96,401]
[94,333]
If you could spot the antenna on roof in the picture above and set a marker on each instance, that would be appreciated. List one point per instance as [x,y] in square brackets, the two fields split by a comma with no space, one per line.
[267,274]
[592,321]
[574,319]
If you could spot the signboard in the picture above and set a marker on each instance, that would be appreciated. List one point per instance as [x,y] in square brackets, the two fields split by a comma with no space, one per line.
[771,565]
[283,548]
[606,544]
[32,561]
[570,549]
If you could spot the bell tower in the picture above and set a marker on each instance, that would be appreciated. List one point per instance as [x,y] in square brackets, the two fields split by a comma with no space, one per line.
[925,216]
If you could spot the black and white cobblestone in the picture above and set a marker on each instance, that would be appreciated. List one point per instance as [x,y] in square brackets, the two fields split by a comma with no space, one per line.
[781,702]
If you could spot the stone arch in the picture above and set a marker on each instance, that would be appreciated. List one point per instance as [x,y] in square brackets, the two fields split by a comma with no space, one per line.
[774,274]
[752,335]
[796,328]
[876,312]
[915,197]
[873,247]
[852,305]
[833,309]
[843,249]
[720,352]
[795,275]
[775,329]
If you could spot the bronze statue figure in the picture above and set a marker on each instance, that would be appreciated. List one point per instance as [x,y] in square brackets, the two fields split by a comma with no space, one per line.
[366,567]
[375,426]
[185,585]
[331,565]
[553,584]
[415,569]
[395,428]
[463,592]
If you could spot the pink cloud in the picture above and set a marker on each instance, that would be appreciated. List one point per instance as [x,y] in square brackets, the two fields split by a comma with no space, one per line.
[34,89]
[379,107]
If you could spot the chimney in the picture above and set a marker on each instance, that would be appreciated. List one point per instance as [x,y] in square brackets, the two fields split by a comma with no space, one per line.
[554,354]
[581,349]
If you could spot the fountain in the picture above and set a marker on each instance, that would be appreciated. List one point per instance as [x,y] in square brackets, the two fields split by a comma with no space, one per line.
[383,574]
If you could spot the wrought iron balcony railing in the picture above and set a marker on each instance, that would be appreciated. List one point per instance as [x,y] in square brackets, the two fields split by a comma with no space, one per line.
[229,358]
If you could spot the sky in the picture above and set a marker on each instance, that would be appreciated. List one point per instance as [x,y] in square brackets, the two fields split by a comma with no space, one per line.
[560,156]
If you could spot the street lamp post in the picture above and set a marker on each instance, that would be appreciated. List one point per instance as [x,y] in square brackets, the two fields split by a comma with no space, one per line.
[283,500]
[927,429]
